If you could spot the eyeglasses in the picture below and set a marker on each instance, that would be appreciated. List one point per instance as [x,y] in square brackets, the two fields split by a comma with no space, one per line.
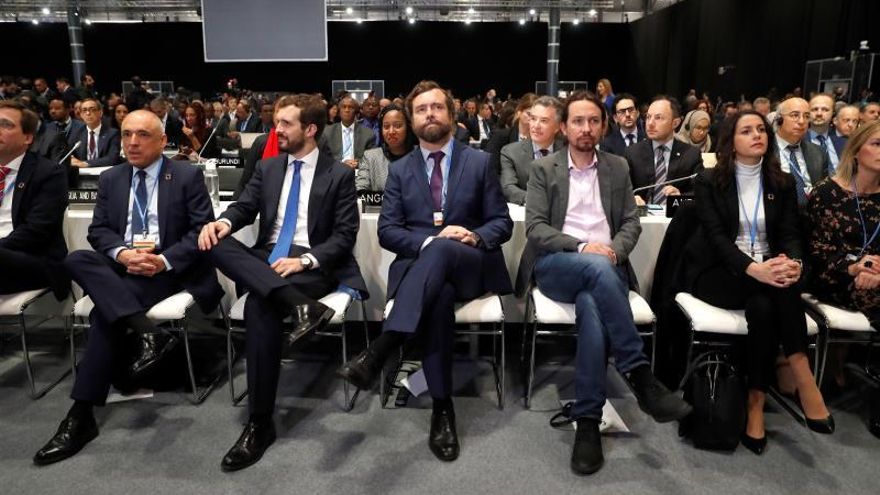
[624,111]
[89,109]
[798,115]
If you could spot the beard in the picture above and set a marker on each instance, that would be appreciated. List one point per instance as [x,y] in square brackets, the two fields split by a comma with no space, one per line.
[433,131]
[583,144]
[290,146]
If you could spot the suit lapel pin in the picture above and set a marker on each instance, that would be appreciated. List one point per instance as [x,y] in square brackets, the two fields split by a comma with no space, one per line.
[21,185]
[167,176]
[770,196]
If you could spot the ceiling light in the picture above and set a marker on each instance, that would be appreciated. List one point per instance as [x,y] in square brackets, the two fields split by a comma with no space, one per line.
[576,21]
[471,10]
[532,12]
[349,10]
[592,12]
[409,10]
[45,10]
[467,21]
[522,22]
[34,22]
[89,22]
[360,21]
[412,20]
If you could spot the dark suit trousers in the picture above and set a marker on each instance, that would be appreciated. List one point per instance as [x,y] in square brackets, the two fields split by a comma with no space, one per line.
[775,316]
[22,271]
[249,268]
[446,271]
[116,294]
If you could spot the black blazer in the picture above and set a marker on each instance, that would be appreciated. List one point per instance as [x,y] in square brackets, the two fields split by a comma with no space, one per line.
[253,155]
[107,142]
[38,206]
[49,142]
[684,160]
[184,207]
[614,142]
[499,139]
[333,215]
[173,130]
[718,213]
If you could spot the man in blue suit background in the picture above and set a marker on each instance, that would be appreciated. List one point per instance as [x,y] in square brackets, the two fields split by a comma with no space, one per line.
[147,218]
[444,216]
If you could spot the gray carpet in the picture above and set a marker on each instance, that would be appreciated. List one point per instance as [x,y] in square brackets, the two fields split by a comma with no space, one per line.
[166,445]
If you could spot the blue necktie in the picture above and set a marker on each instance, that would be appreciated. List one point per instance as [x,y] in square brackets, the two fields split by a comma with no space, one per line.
[798,178]
[285,238]
[140,206]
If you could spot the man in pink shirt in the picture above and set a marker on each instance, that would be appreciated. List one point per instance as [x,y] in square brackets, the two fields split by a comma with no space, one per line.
[581,226]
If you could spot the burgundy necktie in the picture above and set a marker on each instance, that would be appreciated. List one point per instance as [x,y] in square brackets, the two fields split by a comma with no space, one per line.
[437,180]
[4,171]
[92,151]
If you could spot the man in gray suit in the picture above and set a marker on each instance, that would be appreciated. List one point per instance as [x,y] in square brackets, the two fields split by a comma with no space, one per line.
[799,157]
[577,252]
[516,158]
[347,140]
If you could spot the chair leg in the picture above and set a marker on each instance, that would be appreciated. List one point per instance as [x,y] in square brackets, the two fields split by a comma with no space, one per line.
[231,359]
[503,386]
[653,344]
[35,394]
[826,341]
[531,375]
[349,398]
[196,396]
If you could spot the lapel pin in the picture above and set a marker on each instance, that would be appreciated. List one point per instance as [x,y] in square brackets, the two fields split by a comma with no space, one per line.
[167,176]
[21,185]
[770,196]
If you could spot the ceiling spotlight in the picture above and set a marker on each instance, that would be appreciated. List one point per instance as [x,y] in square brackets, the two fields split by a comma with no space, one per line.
[467,21]
[45,11]
[522,22]
[592,12]
[532,12]
[360,21]
[34,22]
[412,20]
[88,22]
[471,10]
[349,10]
[576,21]
[409,10]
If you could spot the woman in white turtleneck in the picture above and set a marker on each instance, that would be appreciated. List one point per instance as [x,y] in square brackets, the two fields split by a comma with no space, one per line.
[747,256]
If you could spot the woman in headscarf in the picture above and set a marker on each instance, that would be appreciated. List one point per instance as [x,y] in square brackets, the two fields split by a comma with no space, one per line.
[695,130]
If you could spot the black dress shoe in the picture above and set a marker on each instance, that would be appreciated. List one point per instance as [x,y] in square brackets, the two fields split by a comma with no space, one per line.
[654,398]
[824,425]
[756,445]
[154,348]
[253,442]
[307,319]
[586,456]
[443,440]
[362,370]
[73,434]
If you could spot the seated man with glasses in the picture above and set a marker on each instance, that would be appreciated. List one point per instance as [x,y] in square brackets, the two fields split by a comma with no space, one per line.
[99,144]
[627,128]
[802,159]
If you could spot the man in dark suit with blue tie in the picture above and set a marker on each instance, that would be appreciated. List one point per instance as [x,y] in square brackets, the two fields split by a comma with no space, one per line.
[99,143]
[309,221]
[627,129]
[444,216]
[144,229]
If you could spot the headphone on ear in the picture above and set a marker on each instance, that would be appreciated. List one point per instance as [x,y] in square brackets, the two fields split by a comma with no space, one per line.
[687,123]
[779,119]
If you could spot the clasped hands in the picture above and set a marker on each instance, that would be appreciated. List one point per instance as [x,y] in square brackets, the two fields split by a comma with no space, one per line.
[458,233]
[141,262]
[866,272]
[780,271]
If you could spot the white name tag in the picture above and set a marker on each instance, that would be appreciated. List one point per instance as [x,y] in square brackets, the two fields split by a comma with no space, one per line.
[145,241]
[438,218]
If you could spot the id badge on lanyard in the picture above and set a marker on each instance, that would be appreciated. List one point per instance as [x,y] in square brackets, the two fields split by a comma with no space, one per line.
[144,240]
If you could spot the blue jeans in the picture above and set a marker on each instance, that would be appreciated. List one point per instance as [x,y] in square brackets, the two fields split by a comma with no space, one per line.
[603,319]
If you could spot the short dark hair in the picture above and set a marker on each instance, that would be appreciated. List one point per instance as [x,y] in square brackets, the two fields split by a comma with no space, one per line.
[29,119]
[57,97]
[583,95]
[62,79]
[673,103]
[423,87]
[624,96]
[311,110]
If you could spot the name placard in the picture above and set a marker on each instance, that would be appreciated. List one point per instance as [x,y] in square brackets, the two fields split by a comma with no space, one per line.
[674,202]
[371,201]
[82,196]
[229,161]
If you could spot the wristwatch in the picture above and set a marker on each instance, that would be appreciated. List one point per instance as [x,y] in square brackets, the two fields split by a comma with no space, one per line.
[306,262]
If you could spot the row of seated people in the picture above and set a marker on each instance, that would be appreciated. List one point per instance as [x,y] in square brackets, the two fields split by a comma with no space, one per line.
[581,226]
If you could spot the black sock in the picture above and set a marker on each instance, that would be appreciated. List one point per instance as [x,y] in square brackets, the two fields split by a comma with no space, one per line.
[139,323]
[442,404]
[285,299]
[81,410]
[387,342]
[261,418]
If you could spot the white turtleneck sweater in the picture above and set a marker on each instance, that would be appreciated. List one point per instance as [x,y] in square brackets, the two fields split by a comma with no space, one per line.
[748,182]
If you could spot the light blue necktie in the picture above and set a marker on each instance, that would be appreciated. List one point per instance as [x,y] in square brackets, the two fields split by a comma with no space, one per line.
[285,238]
[347,143]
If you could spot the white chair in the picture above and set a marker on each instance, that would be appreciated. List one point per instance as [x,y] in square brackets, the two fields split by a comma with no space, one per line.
[338,301]
[546,311]
[16,308]
[171,312]
[487,309]
[839,326]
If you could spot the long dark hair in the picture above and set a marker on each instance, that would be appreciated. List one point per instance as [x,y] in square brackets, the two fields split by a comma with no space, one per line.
[726,166]
[409,141]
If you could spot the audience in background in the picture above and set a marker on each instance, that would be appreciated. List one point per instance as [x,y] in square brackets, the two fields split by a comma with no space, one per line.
[802,159]
[397,139]
[99,144]
[821,111]
[605,94]
[870,112]
[347,140]
[695,130]
[845,122]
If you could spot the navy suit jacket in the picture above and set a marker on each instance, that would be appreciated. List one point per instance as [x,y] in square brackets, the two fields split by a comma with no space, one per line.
[838,141]
[38,206]
[184,207]
[473,201]
[107,143]
[333,215]
[614,143]
[684,161]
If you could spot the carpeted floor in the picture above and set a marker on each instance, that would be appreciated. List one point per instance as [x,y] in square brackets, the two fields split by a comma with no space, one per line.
[165,445]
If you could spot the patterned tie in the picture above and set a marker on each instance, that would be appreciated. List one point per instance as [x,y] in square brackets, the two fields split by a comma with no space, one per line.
[347,145]
[93,149]
[4,171]
[437,180]
[288,228]
[660,174]
[486,128]
[140,206]
[823,143]
[544,151]
[796,172]
[630,139]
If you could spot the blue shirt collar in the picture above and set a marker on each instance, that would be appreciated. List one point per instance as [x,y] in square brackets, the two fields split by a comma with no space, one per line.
[152,170]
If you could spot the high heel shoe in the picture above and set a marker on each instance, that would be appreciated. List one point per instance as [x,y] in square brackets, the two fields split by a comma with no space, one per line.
[824,426]
[756,445]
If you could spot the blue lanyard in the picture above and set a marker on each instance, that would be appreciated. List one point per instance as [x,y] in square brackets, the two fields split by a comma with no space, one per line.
[865,241]
[753,225]
[144,211]
[795,166]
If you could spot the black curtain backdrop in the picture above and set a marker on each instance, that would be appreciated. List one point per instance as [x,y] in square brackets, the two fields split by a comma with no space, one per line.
[764,43]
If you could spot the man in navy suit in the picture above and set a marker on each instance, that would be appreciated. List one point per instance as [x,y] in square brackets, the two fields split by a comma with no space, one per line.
[309,221]
[144,230]
[628,129]
[99,143]
[33,197]
[444,216]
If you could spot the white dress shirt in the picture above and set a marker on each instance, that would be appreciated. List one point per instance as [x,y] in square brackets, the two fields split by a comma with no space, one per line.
[6,206]
[785,160]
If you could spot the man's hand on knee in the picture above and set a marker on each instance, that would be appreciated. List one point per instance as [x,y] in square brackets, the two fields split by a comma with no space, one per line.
[287,266]
[211,234]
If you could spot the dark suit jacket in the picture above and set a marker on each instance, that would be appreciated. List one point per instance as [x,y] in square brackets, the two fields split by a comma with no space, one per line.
[547,206]
[184,207]
[332,139]
[38,206]
[838,141]
[107,142]
[70,96]
[48,142]
[614,142]
[718,211]
[473,125]
[173,130]
[473,201]
[499,139]
[516,165]
[333,215]
[254,154]
[684,160]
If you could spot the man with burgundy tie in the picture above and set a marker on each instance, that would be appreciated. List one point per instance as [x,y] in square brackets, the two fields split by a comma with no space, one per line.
[444,216]
[516,158]
[309,221]
[143,232]
[99,144]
